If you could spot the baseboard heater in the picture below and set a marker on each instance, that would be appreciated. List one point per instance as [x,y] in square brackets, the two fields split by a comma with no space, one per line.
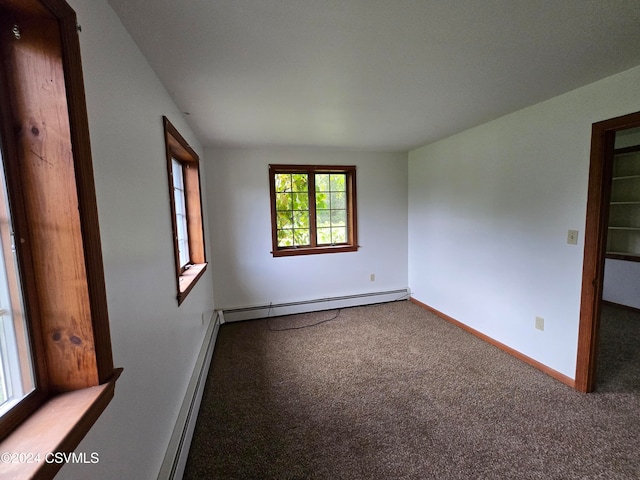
[175,458]
[302,306]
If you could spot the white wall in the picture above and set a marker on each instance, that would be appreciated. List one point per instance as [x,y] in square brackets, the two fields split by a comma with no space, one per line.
[239,208]
[622,282]
[155,341]
[489,211]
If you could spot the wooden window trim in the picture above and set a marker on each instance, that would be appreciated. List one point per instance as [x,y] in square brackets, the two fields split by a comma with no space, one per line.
[73,363]
[177,147]
[58,426]
[352,223]
[595,240]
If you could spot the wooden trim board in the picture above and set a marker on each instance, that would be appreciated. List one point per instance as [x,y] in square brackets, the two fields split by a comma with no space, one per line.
[55,429]
[520,356]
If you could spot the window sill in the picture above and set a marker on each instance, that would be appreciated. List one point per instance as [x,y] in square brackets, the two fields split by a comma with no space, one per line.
[188,279]
[288,252]
[57,426]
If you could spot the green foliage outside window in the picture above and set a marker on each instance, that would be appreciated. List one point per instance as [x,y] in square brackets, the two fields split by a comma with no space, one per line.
[293,209]
[331,208]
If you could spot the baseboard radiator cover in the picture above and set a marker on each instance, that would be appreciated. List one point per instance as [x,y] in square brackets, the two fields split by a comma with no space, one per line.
[312,305]
[175,458]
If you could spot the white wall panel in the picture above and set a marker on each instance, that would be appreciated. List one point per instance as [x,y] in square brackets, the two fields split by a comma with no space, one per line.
[239,207]
[489,211]
[622,282]
[153,340]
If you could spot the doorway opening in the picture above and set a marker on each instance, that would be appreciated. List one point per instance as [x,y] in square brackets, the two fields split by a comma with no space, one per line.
[603,137]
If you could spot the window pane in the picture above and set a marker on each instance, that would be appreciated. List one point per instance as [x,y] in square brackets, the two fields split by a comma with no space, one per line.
[301,219]
[338,235]
[301,201]
[284,220]
[181,213]
[285,238]
[338,200]
[338,182]
[16,372]
[331,208]
[179,201]
[292,209]
[322,182]
[284,201]
[301,237]
[322,201]
[324,236]
[283,182]
[299,182]
[338,218]
[323,218]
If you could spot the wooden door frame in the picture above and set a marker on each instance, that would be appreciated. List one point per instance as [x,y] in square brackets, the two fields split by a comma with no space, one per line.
[595,242]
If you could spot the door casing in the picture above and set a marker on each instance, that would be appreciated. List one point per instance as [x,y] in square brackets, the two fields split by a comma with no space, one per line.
[595,242]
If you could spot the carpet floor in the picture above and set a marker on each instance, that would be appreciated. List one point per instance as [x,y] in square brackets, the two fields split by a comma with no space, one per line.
[393,392]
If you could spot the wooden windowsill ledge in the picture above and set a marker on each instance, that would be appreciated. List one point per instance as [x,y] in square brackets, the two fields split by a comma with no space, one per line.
[34,450]
[188,279]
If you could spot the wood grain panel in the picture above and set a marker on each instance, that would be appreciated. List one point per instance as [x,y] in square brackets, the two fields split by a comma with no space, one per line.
[46,168]
[194,212]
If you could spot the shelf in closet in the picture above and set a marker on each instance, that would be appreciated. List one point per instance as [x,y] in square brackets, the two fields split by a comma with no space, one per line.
[624,215]
[626,177]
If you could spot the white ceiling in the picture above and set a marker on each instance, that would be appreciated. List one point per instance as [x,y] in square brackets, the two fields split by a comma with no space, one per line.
[372,74]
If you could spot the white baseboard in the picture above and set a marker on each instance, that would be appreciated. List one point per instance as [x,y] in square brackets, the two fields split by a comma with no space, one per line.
[175,458]
[234,314]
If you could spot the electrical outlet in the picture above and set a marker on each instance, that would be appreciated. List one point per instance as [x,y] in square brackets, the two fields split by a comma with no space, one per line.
[572,237]
[372,277]
[540,323]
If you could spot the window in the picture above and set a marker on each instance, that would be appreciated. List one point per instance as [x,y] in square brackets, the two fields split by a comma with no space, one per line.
[16,368]
[54,326]
[181,214]
[186,210]
[313,209]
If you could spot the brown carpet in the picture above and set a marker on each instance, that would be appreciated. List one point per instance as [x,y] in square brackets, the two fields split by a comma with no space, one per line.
[393,392]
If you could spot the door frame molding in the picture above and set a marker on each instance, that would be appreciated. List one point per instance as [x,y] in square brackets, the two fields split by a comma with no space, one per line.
[595,241]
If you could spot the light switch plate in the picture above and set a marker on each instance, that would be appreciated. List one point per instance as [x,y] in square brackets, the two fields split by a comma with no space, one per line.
[572,237]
